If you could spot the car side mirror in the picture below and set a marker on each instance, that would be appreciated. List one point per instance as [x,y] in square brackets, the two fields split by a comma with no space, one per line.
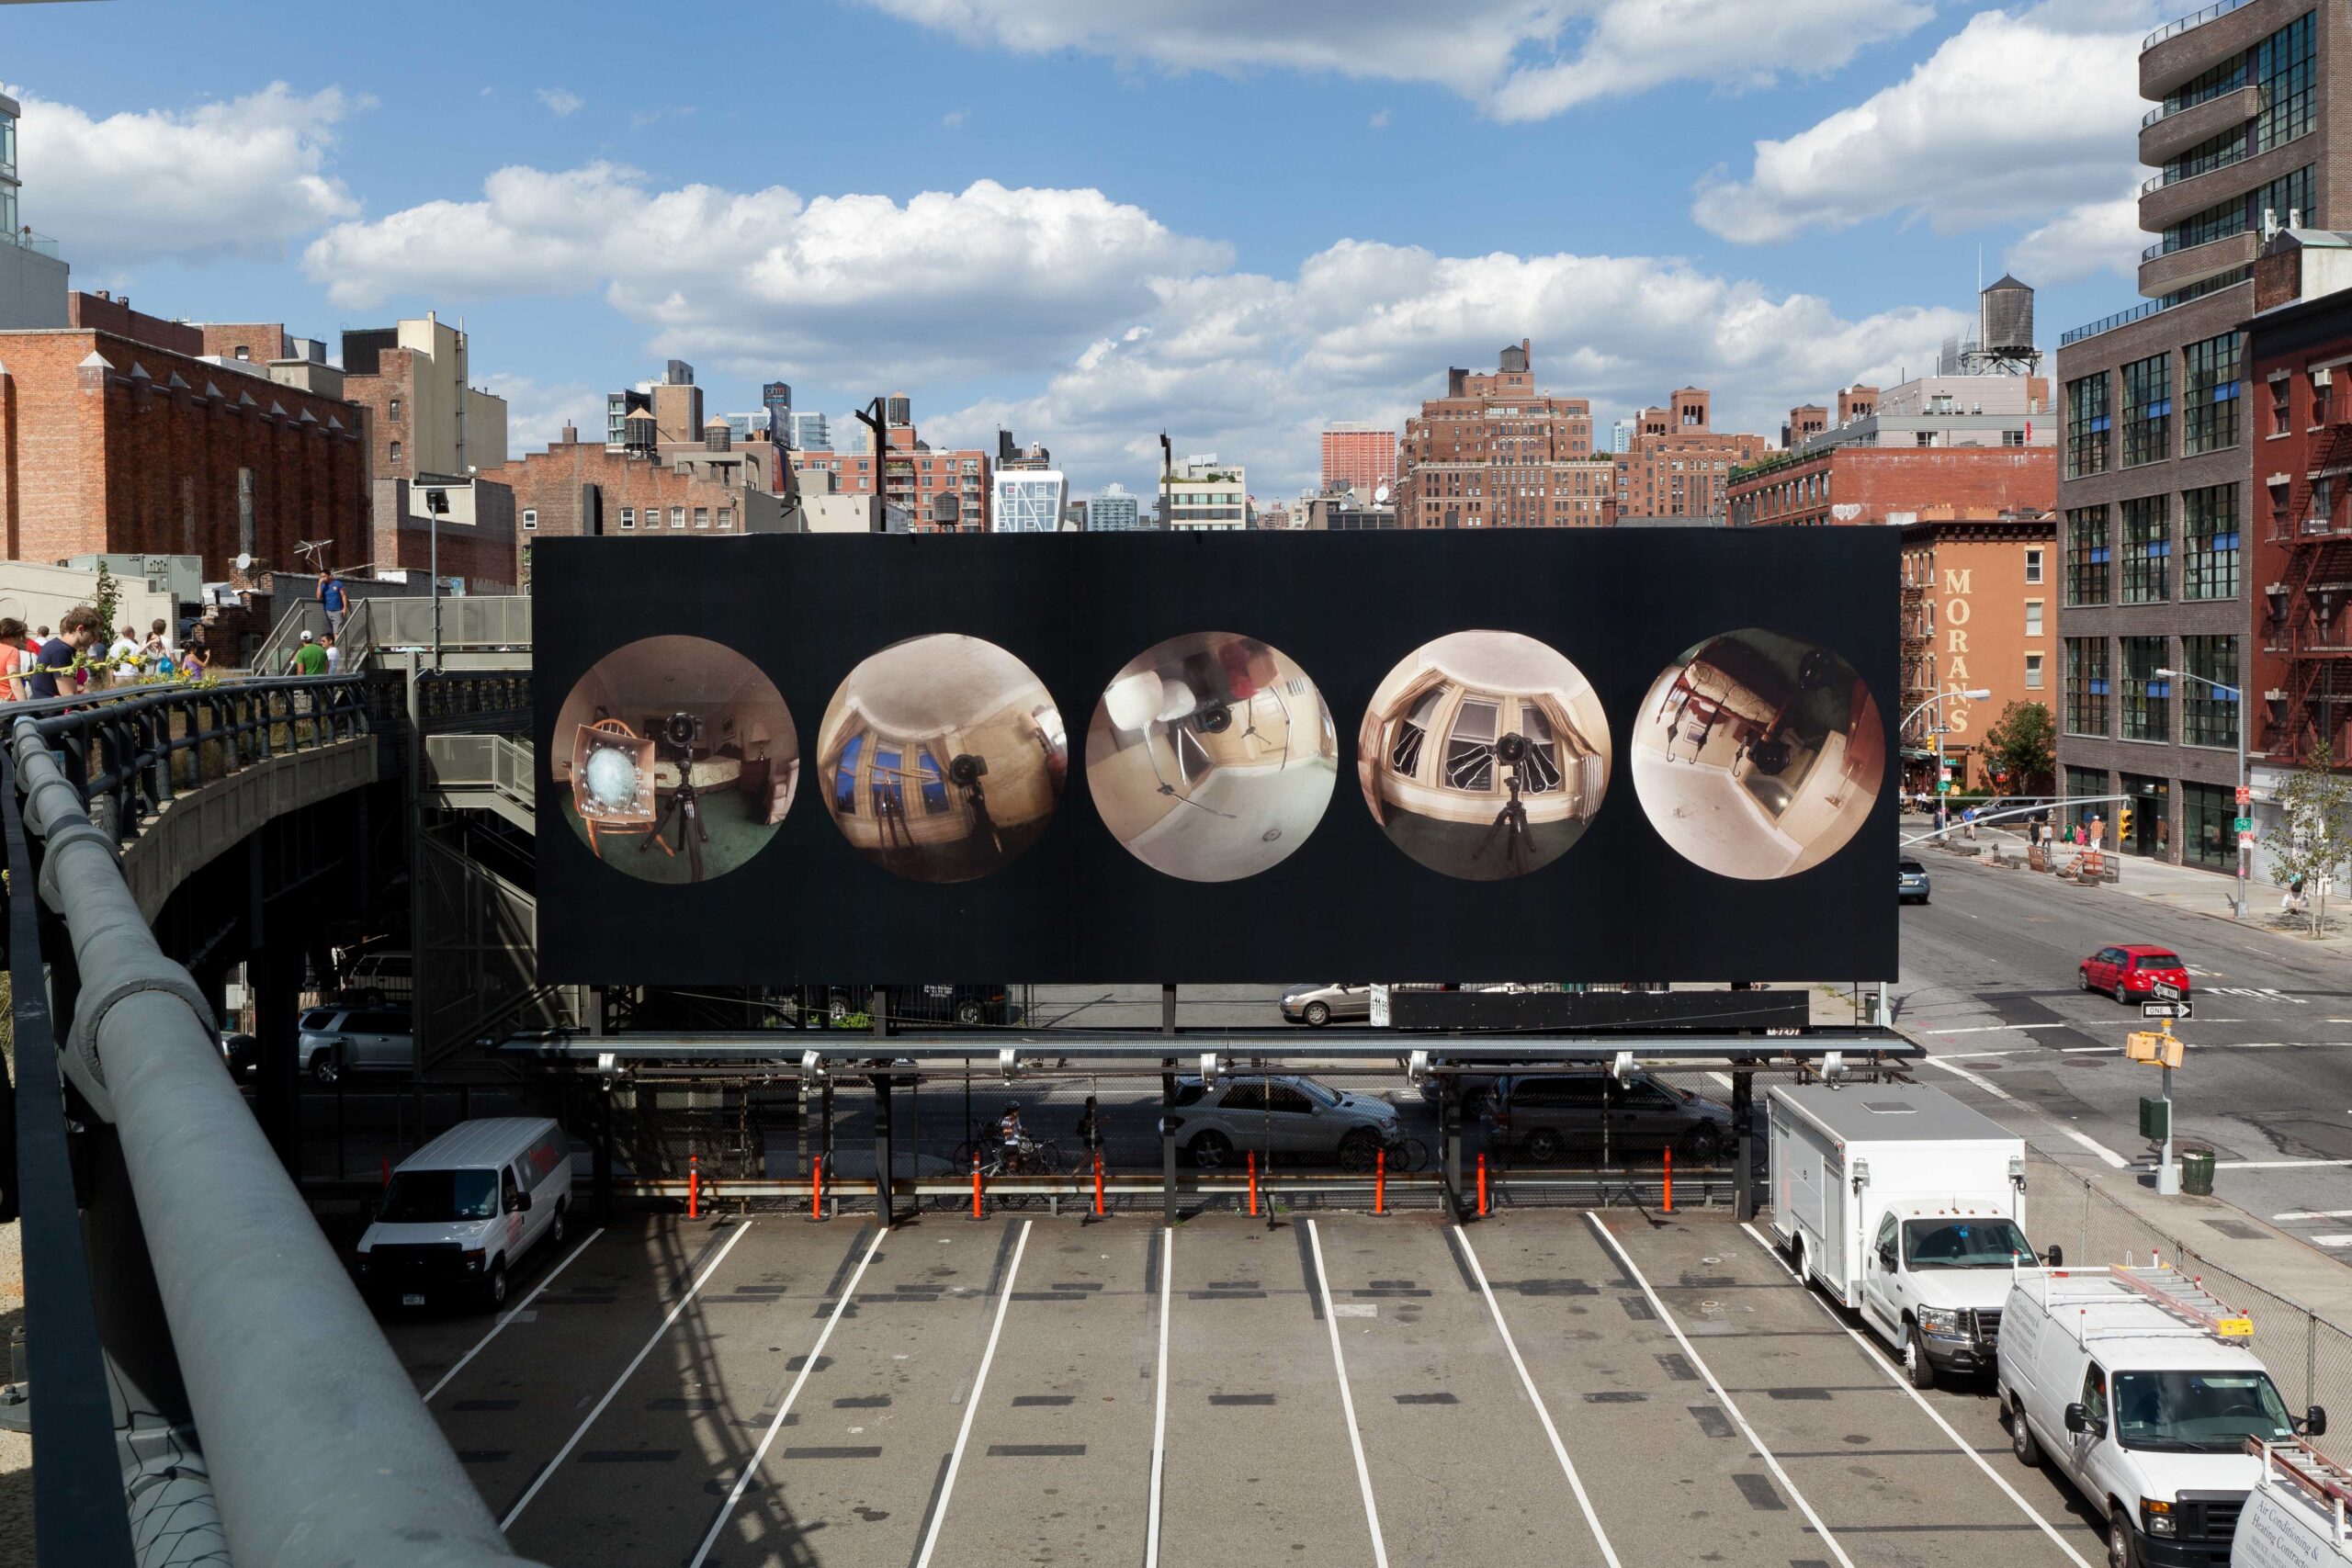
[522,1203]
[2315,1422]
[2055,1258]
[2078,1419]
[1887,1259]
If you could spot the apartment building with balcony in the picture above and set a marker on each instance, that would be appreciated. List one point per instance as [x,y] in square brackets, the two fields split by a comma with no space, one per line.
[2156,449]
[33,278]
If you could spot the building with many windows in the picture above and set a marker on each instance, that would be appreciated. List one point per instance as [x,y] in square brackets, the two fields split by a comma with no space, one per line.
[810,433]
[913,476]
[1495,453]
[1358,457]
[33,278]
[1112,511]
[1979,592]
[1203,495]
[1676,465]
[1028,500]
[2156,451]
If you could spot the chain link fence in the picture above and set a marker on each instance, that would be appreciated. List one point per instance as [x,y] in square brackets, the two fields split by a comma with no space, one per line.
[2310,1358]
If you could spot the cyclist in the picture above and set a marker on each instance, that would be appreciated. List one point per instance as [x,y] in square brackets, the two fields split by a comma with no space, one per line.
[1009,1132]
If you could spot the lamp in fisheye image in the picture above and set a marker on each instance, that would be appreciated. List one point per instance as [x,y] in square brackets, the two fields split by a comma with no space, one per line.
[1484,755]
[1211,756]
[943,758]
[1757,755]
[677,758]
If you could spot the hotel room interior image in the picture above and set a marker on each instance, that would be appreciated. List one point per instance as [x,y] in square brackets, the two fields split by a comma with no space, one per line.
[1484,755]
[942,758]
[675,759]
[1758,756]
[1211,756]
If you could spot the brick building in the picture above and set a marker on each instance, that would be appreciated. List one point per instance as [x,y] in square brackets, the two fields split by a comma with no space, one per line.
[112,443]
[1358,457]
[428,421]
[577,489]
[1495,453]
[1977,612]
[1676,465]
[1983,444]
[914,476]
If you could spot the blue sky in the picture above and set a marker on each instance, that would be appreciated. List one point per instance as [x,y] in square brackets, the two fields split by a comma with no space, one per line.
[1092,219]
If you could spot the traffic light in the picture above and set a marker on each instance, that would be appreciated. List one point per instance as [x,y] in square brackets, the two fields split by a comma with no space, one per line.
[2122,823]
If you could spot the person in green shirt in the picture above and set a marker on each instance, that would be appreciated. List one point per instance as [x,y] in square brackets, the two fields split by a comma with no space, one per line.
[310,659]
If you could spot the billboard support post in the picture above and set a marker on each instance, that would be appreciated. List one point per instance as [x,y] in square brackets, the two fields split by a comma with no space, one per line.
[883,1169]
[1450,1122]
[1743,1115]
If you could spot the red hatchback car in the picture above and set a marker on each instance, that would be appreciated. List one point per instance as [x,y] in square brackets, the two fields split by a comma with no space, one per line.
[2135,972]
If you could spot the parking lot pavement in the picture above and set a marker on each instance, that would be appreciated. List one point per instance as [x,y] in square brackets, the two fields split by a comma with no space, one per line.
[1343,1390]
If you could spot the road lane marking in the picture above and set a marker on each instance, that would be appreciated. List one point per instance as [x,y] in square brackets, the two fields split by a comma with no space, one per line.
[1996,1090]
[1959,1442]
[2333,1240]
[2314,1214]
[1347,1401]
[511,1316]
[808,1366]
[1690,1353]
[2279,1164]
[1997,1028]
[1159,1407]
[742,1230]
[972,1405]
[1559,1449]
[2114,1161]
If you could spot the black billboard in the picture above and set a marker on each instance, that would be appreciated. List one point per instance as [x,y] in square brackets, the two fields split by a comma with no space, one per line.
[1613,754]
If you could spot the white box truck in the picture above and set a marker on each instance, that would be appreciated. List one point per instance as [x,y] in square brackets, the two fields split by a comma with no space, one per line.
[2296,1516]
[1908,1207]
[2140,1386]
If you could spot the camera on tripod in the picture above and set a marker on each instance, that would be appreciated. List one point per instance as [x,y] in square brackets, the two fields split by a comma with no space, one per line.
[1511,748]
[683,730]
[965,768]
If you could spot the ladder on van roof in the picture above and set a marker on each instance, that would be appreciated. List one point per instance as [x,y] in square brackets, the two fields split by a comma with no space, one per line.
[2183,1299]
[2295,1462]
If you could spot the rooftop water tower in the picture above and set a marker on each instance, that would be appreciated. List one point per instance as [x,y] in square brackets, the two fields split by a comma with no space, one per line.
[2005,330]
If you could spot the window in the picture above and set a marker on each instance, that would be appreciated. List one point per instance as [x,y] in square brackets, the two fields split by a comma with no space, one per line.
[2214,152]
[727,518]
[2086,686]
[2206,818]
[2033,567]
[396,454]
[2086,426]
[2209,385]
[2147,410]
[2209,543]
[2147,550]
[530,517]
[394,414]
[2089,579]
[2147,696]
[677,518]
[1413,731]
[2281,66]
[1470,748]
[845,776]
[2033,672]
[2282,396]
[2208,714]
[2033,617]
[628,517]
[702,517]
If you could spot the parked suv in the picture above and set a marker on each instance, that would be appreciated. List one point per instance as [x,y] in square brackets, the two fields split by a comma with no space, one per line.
[2134,972]
[337,1040]
[1284,1114]
[1911,882]
[378,977]
[1545,1115]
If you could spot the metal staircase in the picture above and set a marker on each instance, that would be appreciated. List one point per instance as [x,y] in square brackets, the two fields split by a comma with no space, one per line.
[2309,625]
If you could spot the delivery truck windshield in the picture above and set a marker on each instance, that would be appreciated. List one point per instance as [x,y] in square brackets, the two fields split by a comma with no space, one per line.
[1971,1242]
[2198,1412]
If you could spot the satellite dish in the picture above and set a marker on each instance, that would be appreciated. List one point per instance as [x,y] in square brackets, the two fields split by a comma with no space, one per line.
[1380,496]
[244,561]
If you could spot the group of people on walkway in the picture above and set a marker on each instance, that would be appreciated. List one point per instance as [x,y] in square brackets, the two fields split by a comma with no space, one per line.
[77,658]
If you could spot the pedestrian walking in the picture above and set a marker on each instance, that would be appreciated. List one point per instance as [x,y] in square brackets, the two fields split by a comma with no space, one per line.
[331,599]
[78,633]
[334,654]
[307,658]
[1090,1126]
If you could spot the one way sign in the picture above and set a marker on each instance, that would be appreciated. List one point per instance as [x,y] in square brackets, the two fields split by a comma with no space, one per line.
[2166,1009]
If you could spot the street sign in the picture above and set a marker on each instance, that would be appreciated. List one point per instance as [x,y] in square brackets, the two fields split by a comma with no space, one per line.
[2167,1010]
[2243,824]
[2245,840]
[2245,796]
[1944,787]
[2164,992]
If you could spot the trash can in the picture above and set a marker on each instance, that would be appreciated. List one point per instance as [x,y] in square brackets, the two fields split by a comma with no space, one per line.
[2196,1172]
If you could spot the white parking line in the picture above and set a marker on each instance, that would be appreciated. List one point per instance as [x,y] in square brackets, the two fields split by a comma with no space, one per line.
[2115,1161]
[2279,1164]
[1159,1407]
[1348,1402]
[742,1230]
[2314,1214]
[1559,1449]
[808,1365]
[972,1405]
[1995,1027]
[2332,1240]
[1714,1383]
[1917,1398]
[515,1311]
[1996,1090]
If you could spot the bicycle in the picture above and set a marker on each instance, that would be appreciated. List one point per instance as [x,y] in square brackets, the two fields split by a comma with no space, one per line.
[1030,1156]
[1358,1150]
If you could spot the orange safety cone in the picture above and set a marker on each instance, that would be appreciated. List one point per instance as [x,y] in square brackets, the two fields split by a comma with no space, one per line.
[1482,1184]
[1098,1184]
[1669,1181]
[976,1184]
[817,1188]
[694,1187]
[1380,1183]
[1253,1183]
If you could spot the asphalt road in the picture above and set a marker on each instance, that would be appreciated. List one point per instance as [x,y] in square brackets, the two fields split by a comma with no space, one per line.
[1989,982]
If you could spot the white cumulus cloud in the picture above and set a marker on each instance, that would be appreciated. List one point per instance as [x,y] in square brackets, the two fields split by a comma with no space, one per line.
[560,101]
[2095,236]
[244,178]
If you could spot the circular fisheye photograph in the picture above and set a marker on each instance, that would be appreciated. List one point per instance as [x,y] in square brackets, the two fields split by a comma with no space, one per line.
[1758,756]
[1484,755]
[942,758]
[1212,756]
[675,759]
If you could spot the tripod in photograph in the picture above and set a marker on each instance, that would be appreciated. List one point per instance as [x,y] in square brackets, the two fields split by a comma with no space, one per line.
[1510,822]
[686,810]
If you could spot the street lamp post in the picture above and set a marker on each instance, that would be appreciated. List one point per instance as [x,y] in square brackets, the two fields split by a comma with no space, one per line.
[2243,799]
[1937,729]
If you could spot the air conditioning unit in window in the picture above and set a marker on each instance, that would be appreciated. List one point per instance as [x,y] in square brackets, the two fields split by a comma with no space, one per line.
[2324,376]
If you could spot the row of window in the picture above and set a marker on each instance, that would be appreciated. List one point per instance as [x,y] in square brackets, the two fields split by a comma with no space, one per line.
[2287,195]
[2208,413]
[2210,552]
[2142,699]
[702,515]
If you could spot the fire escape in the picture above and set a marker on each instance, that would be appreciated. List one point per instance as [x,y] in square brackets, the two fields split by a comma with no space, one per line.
[2308,626]
[1919,645]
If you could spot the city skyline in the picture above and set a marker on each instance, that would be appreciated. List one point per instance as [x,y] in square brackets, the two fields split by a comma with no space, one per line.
[596,212]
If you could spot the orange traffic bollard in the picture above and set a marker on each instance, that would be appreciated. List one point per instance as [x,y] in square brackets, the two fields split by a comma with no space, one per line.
[1482,1184]
[817,1188]
[976,1185]
[1380,1183]
[1098,1184]
[1669,1181]
[694,1187]
[1253,1182]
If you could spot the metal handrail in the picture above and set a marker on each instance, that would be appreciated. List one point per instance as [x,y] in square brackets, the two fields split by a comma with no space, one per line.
[2166,177]
[2195,20]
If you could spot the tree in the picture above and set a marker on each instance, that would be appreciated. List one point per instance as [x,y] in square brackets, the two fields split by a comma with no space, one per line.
[2315,841]
[2023,745]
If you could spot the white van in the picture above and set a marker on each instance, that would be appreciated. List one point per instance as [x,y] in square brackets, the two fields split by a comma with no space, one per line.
[2140,1387]
[462,1210]
[1908,1207]
[2295,1517]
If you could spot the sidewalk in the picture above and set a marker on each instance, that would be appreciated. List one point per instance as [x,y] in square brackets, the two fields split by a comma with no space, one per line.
[2179,888]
